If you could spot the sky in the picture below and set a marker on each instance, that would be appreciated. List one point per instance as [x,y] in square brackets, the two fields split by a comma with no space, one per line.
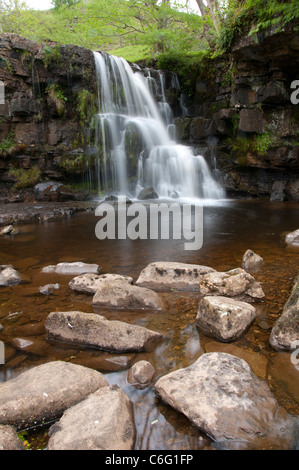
[46,4]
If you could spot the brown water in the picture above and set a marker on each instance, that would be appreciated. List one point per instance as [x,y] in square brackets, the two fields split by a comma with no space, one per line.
[230,228]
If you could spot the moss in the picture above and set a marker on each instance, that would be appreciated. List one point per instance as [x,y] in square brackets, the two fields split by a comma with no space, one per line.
[8,65]
[7,144]
[56,96]
[51,56]
[86,106]
[25,178]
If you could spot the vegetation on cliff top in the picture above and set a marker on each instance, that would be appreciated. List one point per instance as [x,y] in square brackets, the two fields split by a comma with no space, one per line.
[147,29]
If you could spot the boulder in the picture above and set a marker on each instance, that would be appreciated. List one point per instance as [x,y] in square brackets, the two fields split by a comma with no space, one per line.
[9,439]
[292,238]
[221,395]
[148,193]
[103,421]
[44,392]
[76,267]
[225,319]
[119,294]
[165,275]
[252,262]
[285,332]
[236,283]
[89,283]
[141,373]
[94,330]
[9,276]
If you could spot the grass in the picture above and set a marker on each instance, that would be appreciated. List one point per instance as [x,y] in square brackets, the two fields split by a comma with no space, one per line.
[132,53]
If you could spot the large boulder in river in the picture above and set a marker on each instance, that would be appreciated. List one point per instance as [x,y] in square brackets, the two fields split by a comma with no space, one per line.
[148,193]
[285,332]
[44,392]
[120,294]
[90,283]
[76,267]
[224,318]
[166,275]
[103,421]
[221,395]
[90,329]
[236,283]
[9,276]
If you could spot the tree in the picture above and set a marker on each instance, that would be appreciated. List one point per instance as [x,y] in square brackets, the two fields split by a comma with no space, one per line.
[10,15]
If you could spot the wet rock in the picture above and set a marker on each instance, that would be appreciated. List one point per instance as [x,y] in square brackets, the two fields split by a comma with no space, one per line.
[103,421]
[49,289]
[164,276]
[32,345]
[95,330]
[141,373]
[76,267]
[148,193]
[43,393]
[225,319]
[119,294]
[236,283]
[89,283]
[258,362]
[104,361]
[251,120]
[252,262]
[278,191]
[285,332]
[292,238]
[9,276]
[221,395]
[9,439]
[6,230]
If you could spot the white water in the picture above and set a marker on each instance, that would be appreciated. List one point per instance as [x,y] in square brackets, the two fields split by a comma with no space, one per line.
[134,138]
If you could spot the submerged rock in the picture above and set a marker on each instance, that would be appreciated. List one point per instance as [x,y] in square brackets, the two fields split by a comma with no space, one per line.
[9,276]
[89,283]
[252,262]
[225,319]
[103,421]
[43,393]
[9,439]
[236,283]
[141,373]
[49,289]
[148,193]
[94,330]
[221,395]
[285,332]
[165,275]
[120,294]
[292,238]
[76,267]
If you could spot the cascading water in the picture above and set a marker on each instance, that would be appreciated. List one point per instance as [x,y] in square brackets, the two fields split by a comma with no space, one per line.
[134,138]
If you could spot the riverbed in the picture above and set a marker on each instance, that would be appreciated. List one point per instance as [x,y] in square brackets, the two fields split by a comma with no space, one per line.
[230,228]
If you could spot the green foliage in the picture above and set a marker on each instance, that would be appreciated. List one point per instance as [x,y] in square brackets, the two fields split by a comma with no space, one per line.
[51,56]
[25,178]
[56,96]
[263,142]
[7,143]
[85,105]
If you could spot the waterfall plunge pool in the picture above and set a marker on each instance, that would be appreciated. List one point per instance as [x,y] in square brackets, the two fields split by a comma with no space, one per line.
[230,228]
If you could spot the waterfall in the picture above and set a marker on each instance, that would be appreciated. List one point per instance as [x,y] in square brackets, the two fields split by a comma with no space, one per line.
[134,137]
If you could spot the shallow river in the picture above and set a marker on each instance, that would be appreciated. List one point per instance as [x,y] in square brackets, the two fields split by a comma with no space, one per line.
[230,228]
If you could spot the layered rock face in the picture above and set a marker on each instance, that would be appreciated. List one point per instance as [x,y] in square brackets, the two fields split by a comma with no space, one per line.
[243,115]
[49,95]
